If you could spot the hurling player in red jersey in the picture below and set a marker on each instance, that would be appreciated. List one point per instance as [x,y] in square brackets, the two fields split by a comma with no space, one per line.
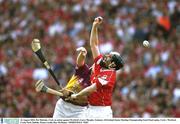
[103,78]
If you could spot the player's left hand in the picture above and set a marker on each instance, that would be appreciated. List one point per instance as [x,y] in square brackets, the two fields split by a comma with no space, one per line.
[66,93]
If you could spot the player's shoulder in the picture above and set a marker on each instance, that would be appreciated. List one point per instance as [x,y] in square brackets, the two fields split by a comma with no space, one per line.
[107,71]
[98,59]
[85,66]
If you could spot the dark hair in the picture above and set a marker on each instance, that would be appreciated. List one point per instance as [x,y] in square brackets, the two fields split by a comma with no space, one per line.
[117,59]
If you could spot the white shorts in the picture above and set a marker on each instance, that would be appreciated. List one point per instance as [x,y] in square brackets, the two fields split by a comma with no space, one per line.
[99,112]
[67,110]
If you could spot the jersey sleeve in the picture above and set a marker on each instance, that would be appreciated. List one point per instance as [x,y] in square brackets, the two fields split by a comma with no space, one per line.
[82,69]
[98,58]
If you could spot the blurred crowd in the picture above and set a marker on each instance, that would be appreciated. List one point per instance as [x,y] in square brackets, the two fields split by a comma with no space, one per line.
[148,85]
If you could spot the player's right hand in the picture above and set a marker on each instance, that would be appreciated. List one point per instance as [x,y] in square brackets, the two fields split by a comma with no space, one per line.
[98,20]
[82,50]
[72,97]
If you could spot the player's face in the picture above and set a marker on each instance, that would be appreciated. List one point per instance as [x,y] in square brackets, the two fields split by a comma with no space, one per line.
[107,61]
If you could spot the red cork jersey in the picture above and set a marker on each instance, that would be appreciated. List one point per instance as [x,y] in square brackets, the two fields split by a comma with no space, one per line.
[105,81]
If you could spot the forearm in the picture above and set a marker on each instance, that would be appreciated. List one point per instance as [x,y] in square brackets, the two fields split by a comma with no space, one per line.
[81,56]
[80,59]
[94,36]
[94,41]
[87,90]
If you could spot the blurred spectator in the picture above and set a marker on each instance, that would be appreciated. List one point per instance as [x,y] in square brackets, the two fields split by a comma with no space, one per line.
[3,70]
[40,74]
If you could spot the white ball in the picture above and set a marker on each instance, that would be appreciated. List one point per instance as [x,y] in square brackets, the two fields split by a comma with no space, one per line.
[145,43]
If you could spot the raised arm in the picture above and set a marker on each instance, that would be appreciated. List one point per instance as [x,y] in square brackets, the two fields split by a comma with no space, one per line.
[81,56]
[94,41]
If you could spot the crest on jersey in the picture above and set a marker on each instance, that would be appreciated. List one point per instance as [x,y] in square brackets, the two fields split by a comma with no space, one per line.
[80,80]
[103,80]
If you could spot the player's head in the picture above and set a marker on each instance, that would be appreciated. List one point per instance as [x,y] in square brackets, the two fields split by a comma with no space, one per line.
[112,60]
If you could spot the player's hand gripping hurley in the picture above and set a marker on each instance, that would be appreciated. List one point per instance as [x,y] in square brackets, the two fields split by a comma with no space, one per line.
[41,87]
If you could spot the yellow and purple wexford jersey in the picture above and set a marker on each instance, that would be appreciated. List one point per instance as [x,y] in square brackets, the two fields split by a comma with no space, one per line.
[80,80]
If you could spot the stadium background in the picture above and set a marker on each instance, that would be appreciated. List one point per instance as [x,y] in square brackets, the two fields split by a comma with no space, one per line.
[149,84]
